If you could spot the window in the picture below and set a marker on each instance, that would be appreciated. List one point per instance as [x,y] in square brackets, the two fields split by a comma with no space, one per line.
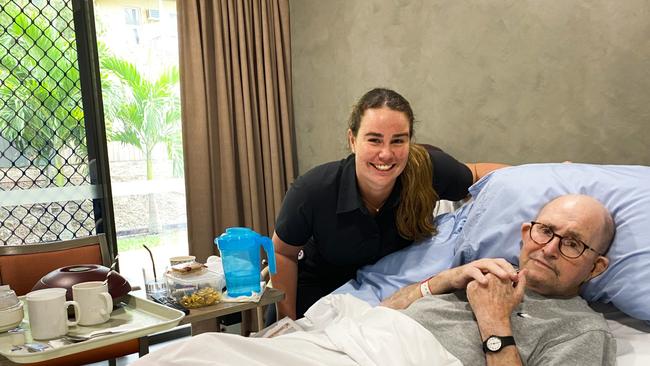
[141,98]
[153,14]
[132,16]
[50,170]
[54,178]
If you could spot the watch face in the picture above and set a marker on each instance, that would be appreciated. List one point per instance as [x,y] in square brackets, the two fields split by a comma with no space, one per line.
[493,344]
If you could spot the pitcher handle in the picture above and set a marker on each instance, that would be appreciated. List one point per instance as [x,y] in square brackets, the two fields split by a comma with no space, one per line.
[267,243]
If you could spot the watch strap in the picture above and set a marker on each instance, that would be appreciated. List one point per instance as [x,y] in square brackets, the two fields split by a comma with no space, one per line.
[505,341]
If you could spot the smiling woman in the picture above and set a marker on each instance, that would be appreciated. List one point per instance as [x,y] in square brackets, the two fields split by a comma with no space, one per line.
[345,214]
[381,151]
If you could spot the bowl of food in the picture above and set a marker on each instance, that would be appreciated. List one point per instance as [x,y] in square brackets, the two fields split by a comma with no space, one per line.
[193,286]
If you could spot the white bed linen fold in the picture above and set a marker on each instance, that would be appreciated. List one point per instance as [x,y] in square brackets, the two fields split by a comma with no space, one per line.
[632,336]
[341,330]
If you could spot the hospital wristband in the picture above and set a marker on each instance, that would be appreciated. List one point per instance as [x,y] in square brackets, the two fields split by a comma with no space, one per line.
[424,288]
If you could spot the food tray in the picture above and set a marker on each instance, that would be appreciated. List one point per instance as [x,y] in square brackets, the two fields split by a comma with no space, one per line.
[146,316]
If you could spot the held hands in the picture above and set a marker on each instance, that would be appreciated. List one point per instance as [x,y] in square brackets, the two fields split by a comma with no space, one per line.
[494,300]
[452,280]
[460,277]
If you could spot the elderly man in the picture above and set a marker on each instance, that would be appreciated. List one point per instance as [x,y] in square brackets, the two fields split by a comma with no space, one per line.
[486,313]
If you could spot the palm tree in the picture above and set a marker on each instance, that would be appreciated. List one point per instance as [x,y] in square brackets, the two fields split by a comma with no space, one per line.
[143,114]
[41,113]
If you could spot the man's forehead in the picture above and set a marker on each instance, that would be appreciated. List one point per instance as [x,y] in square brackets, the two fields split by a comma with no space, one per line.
[573,231]
[575,207]
[579,216]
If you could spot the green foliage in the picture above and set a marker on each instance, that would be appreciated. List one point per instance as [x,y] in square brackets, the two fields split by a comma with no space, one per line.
[136,242]
[151,241]
[41,114]
[143,113]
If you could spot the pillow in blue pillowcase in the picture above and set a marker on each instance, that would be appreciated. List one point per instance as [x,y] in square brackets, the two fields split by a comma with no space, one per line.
[414,263]
[509,197]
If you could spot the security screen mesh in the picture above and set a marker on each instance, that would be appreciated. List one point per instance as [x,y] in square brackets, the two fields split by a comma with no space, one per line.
[45,191]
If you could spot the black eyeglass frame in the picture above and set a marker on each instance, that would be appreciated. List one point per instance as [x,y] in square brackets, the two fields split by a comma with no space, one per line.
[585,246]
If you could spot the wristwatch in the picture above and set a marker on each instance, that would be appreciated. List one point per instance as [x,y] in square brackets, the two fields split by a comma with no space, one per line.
[495,343]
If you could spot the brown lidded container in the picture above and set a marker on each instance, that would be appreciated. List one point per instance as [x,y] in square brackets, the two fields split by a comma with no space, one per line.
[66,277]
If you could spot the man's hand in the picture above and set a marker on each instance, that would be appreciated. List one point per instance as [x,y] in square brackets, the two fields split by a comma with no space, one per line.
[403,298]
[492,304]
[494,301]
[459,277]
[453,279]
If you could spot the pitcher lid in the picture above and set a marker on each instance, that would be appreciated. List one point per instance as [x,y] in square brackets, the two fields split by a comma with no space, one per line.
[240,231]
[236,233]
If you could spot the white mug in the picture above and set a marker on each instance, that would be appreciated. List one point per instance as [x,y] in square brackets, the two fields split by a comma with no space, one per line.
[94,301]
[48,313]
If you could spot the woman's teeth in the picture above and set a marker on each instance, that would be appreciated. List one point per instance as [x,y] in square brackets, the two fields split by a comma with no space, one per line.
[383,167]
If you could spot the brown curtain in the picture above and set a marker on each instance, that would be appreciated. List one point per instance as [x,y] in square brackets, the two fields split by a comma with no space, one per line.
[238,137]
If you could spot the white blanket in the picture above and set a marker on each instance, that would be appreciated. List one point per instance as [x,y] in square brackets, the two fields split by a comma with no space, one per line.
[342,330]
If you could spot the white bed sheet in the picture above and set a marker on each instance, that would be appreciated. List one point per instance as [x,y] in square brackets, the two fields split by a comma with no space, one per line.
[341,330]
[345,331]
[632,336]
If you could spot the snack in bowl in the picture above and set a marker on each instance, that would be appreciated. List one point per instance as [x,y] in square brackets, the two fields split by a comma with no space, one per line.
[188,267]
[192,285]
[203,297]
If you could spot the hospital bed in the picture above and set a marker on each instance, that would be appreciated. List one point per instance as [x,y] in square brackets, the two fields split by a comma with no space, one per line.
[344,330]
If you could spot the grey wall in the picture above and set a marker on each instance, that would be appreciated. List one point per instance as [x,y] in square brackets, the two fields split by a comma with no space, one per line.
[494,80]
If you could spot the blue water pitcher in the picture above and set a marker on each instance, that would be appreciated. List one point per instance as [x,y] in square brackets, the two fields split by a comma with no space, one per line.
[240,254]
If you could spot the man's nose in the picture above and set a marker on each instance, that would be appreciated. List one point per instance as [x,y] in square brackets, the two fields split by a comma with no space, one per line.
[552,248]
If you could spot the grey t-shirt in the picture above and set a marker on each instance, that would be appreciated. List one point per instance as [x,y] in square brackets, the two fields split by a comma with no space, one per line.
[547,331]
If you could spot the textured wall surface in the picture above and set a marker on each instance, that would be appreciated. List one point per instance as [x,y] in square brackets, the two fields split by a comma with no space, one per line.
[494,80]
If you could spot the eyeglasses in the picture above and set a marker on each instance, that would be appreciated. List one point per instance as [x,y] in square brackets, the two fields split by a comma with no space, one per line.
[569,247]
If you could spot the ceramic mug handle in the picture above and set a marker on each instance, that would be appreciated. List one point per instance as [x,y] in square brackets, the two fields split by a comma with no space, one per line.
[108,301]
[77,311]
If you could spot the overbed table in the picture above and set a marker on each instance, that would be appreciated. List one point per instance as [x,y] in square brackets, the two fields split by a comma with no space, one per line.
[205,319]
[144,317]
[202,320]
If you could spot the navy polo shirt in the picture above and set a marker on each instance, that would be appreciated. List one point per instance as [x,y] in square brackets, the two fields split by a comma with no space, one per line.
[324,212]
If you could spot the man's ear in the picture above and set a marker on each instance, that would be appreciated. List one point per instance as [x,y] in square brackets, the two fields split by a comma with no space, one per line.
[600,266]
[525,227]
[351,140]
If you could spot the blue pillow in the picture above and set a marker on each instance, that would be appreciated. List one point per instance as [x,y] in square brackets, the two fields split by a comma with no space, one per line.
[508,197]
[414,263]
